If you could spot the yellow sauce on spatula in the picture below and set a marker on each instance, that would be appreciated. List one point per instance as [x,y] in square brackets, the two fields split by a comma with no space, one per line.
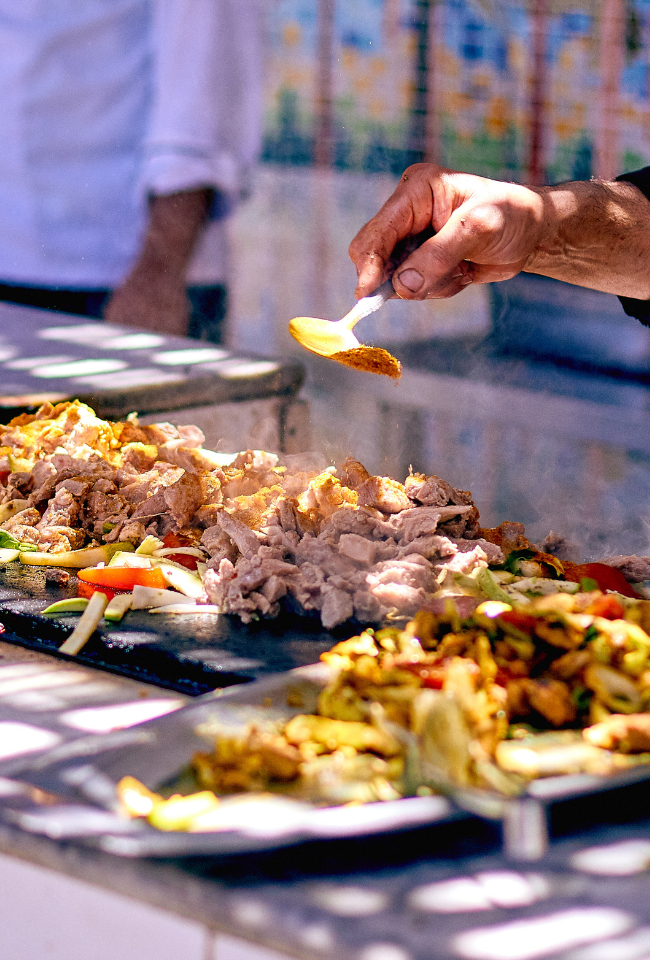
[370,360]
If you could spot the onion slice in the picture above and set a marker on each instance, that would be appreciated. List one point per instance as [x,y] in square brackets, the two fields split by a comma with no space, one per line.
[87,625]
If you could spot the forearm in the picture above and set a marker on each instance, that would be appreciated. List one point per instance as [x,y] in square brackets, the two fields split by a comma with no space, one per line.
[153,295]
[175,224]
[595,234]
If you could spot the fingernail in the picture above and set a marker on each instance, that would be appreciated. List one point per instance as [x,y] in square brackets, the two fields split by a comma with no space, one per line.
[465,282]
[411,279]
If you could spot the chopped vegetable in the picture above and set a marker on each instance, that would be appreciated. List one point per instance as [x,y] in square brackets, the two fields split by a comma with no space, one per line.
[490,586]
[118,605]
[149,544]
[86,557]
[512,560]
[135,797]
[123,578]
[182,580]
[145,597]
[71,605]
[11,508]
[542,585]
[181,549]
[185,556]
[7,555]
[534,563]
[87,625]
[7,542]
[491,609]
[86,590]
[548,754]
[604,576]
[178,812]
[122,559]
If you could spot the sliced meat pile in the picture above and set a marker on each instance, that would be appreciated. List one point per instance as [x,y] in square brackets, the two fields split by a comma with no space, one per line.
[342,544]
[332,543]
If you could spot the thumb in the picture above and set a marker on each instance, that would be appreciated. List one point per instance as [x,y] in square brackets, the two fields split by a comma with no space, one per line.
[437,263]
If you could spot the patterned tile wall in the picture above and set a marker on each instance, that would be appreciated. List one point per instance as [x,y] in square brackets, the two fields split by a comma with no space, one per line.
[536,90]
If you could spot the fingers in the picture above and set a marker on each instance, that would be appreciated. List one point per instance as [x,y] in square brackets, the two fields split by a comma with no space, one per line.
[441,263]
[457,285]
[372,247]
[486,231]
[408,211]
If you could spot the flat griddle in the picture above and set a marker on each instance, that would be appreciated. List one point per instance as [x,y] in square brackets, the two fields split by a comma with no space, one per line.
[189,653]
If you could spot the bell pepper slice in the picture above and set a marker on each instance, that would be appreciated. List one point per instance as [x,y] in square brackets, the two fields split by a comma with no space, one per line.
[87,589]
[606,577]
[521,621]
[71,605]
[609,607]
[174,540]
[122,578]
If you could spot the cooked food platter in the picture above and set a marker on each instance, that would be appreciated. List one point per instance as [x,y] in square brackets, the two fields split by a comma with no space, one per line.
[156,752]
[504,714]
[488,675]
[270,764]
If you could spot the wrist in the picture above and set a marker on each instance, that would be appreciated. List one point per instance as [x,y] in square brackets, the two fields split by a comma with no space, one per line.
[558,206]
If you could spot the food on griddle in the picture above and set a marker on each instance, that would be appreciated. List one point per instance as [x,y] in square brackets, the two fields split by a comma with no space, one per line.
[628,734]
[261,534]
[560,685]
[473,695]
[327,543]
[312,757]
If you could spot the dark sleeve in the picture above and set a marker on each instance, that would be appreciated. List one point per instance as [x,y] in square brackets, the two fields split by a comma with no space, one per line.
[638,308]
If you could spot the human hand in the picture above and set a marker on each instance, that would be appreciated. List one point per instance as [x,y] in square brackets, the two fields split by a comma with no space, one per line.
[485,230]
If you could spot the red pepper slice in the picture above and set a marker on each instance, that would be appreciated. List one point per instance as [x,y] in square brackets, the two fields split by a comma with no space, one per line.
[174,540]
[184,559]
[606,577]
[432,676]
[123,578]
[433,680]
[87,589]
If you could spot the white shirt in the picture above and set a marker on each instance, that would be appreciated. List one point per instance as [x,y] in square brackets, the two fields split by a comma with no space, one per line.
[106,101]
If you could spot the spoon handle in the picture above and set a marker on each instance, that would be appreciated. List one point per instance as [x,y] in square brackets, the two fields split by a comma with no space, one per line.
[367,305]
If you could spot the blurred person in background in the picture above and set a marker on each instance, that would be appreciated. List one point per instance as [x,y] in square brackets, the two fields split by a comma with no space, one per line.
[129,131]
[592,233]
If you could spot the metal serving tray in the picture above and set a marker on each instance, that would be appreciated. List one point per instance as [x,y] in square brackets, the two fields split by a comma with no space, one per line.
[155,752]
[83,784]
